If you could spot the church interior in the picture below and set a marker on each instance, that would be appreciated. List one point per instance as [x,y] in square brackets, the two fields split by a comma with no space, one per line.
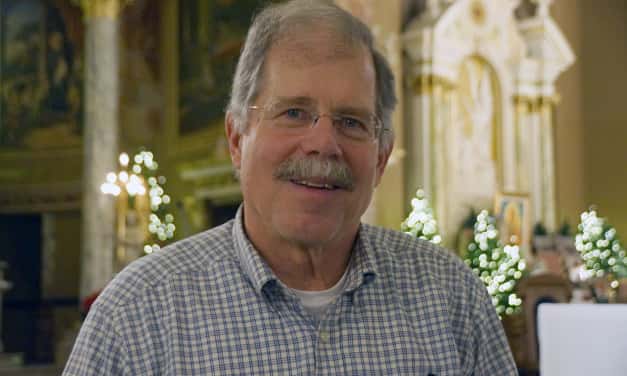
[112,146]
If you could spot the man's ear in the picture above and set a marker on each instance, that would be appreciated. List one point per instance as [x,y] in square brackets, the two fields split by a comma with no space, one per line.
[382,161]
[234,137]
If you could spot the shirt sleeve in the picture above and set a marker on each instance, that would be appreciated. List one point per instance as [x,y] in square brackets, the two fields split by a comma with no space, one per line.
[99,348]
[492,353]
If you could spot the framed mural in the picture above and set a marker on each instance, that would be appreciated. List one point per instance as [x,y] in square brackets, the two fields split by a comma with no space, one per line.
[40,73]
[211,34]
[513,218]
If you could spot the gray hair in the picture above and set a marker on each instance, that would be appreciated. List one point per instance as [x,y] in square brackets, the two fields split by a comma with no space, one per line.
[278,20]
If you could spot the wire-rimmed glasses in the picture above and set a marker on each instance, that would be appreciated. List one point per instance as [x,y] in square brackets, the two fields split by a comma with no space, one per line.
[355,125]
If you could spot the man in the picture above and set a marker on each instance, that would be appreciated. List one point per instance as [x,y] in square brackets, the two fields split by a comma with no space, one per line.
[295,284]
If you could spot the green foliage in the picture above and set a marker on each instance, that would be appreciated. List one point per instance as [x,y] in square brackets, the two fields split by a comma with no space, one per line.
[471,219]
[539,229]
[139,183]
[499,268]
[421,222]
[600,248]
[565,229]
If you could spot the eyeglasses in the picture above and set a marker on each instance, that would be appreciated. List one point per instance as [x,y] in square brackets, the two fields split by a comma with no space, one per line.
[364,127]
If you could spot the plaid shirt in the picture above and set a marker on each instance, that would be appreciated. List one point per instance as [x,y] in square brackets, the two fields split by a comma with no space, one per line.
[210,305]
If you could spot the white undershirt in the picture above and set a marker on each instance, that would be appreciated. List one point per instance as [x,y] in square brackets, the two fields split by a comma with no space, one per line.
[317,302]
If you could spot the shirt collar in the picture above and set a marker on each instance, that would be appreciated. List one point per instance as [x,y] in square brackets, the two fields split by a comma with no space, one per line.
[363,264]
[256,269]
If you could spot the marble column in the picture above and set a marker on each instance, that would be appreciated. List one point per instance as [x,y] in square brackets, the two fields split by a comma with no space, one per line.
[100,141]
[549,214]
[388,205]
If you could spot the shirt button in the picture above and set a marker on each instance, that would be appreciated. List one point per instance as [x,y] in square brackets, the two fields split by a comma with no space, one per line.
[324,336]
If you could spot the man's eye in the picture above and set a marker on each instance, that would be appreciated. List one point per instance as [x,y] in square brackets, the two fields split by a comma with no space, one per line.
[352,123]
[295,114]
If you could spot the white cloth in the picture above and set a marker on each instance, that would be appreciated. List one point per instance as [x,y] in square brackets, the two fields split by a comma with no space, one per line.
[582,339]
[316,302]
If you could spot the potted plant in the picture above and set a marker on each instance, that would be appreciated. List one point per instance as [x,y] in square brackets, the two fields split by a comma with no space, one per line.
[564,240]
[541,238]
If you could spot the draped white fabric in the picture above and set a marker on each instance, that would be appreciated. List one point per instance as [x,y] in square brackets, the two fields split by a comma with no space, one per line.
[582,339]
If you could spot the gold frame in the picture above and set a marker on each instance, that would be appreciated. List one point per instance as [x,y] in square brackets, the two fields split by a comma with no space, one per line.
[31,180]
[518,223]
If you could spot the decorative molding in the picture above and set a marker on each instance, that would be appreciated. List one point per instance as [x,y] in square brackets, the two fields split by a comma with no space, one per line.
[41,197]
[12,156]
[39,166]
[211,179]
[478,12]
[548,53]
[426,83]
[536,103]
[102,8]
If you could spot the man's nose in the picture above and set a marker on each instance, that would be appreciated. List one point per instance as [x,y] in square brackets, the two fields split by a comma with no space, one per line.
[322,138]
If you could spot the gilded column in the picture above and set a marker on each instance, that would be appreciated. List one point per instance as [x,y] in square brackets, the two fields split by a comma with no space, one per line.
[427,133]
[521,131]
[439,167]
[536,158]
[421,135]
[548,163]
[100,140]
[388,206]
[534,122]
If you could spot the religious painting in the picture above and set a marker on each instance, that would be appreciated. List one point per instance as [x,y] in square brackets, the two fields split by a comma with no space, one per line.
[40,73]
[211,34]
[513,217]
[141,63]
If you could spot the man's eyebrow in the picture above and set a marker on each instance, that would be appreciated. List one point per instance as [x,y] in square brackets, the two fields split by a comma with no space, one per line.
[304,101]
[308,101]
[353,110]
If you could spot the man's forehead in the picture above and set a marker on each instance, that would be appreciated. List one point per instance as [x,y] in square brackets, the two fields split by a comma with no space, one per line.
[315,46]
[294,54]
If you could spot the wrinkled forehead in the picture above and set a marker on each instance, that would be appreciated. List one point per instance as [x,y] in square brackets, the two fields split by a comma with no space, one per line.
[322,67]
[318,50]
[311,46]
[311,49]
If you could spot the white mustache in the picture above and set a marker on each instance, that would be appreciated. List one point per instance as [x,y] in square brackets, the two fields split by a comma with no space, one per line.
[332,171]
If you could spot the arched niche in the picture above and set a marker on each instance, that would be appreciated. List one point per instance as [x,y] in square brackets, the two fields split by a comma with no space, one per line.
[479,98]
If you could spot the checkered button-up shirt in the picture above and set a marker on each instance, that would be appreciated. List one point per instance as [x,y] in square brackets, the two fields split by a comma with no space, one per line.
[210,305]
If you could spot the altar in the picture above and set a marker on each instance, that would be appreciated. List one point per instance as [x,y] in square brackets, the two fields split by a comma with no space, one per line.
[480,100]
[582,339]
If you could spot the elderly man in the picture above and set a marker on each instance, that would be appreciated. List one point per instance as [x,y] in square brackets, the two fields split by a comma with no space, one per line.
[295,284]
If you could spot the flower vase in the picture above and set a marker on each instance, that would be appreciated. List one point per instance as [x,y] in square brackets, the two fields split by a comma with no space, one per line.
[606,290]
[613,289]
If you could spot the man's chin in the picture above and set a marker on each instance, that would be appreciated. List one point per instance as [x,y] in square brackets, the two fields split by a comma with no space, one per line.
[312,235]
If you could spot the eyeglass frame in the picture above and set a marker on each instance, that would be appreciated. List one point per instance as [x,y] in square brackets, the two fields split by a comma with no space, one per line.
[316,116]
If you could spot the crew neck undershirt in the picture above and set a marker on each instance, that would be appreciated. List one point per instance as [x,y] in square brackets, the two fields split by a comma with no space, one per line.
[317,302]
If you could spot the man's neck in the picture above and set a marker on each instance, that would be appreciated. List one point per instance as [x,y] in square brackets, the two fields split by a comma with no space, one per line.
[308,268]
[299,262]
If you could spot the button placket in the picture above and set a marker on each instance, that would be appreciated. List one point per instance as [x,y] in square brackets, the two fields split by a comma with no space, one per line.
[324,336]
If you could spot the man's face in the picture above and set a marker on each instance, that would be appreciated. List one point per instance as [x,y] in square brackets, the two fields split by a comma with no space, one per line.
[317,73]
